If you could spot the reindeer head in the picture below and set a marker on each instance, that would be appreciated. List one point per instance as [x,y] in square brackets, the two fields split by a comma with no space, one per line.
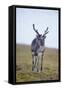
[44,35]
[40,37]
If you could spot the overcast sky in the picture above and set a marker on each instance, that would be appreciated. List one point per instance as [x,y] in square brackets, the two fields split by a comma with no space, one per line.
[42,19]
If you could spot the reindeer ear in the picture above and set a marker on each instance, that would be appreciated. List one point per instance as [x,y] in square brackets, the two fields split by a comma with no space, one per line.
[44,37]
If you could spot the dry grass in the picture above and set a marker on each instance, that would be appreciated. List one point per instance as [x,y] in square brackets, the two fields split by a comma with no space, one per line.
[24,65]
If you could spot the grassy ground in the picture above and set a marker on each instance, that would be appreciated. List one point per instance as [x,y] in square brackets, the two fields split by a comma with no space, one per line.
[24,65]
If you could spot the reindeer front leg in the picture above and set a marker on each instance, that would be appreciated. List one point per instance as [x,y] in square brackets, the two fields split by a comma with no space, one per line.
[33,66]
[42,61]
[39,62]
[33,61]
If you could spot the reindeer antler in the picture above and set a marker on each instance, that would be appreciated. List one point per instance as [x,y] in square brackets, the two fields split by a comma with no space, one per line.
[46,31]
[35,29]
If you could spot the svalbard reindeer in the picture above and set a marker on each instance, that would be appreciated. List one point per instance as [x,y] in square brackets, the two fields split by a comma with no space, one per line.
[38,48]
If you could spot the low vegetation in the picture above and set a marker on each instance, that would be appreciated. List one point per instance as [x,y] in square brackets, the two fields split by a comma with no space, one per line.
[24,65]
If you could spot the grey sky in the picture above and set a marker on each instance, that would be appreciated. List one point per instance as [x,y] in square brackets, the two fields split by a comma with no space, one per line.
[42,19]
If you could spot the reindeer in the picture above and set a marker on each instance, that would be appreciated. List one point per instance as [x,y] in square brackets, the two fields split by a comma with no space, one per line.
[38,48]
